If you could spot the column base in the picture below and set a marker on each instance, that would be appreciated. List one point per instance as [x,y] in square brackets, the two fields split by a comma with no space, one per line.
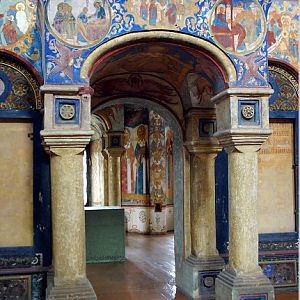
[72,291]
[232,286]
[206,269]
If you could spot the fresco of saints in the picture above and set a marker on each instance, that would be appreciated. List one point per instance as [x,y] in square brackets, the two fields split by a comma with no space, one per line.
[144,10]
[127,165]
[169,155]
[78,23]
[140,152]
[171,13]
[152,13]
[223,34]
[9,30]
[59,18]
[21,18]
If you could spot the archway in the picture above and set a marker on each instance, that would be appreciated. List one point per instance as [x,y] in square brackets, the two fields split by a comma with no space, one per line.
[176,79]
[182,74]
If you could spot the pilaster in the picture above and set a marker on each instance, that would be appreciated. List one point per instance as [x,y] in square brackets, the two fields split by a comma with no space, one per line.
[203,148]
[114,150]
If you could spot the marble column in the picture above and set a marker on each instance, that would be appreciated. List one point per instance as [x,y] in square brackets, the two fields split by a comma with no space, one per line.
[114,175]
[203,258]
[95,152]
[105,179]
[67,214]
[65,141]
[243,274]
[203,223]
[242,131]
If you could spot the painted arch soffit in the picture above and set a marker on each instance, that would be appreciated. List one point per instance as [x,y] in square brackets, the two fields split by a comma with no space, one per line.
[175,76]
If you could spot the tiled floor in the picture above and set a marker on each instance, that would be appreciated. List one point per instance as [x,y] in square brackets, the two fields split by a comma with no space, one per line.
[148,273]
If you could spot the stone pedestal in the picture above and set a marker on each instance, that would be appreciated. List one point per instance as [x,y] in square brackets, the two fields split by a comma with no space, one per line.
[114,175]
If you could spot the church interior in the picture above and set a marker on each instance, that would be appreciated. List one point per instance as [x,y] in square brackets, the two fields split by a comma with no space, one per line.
[149,149]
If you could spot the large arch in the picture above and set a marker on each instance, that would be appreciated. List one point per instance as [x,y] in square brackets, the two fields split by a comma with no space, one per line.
[109,60]
[102,52]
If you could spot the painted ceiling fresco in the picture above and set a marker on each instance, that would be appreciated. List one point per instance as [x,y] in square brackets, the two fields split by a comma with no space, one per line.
[160,72]
[283,25]
[19,30]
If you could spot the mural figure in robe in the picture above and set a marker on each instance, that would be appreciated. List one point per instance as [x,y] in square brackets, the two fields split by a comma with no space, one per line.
[224,33]
[144,10]
[169,156]
[59,18]
[80,25]
[128,164]
[152,13]
[140,152]
[10,31]
[21,17]
[171,13]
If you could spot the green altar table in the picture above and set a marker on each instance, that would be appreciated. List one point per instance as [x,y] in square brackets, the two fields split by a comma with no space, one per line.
[105,234]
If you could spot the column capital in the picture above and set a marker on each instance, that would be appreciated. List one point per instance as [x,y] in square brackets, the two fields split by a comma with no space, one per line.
[243,118]
[210,146]
[243,140]
[244,92]
[69,89]
[65,139]
[114,151]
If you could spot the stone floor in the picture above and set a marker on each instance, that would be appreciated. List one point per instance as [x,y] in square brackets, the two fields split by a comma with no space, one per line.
[148,273]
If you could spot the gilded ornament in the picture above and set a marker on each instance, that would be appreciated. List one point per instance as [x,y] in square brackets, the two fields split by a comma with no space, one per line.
[248,112]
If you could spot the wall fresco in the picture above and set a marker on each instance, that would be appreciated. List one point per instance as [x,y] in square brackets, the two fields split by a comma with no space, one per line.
[275,165]
[135,160]
[20,31]
[18,89]
[285,86]
[78,23]
[157,159]
[238,27]
[168,14]
[283,25]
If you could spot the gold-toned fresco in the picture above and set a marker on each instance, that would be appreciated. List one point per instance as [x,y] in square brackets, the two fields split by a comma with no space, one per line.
[17,18]
[275,163]
[239,27]
[78,23]
[283,25]
[161,14]
[18,88]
